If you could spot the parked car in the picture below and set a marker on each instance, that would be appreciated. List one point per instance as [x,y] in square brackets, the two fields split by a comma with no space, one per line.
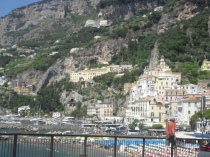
[205,151]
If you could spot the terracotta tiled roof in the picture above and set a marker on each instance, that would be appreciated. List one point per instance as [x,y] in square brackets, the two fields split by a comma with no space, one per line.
[191,99]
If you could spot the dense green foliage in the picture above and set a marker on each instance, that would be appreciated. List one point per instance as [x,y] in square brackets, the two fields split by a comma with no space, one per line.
[105,3]
[200,2]
[20,32]
[188,43]
[43,60]
[189,70]
[80,20]
[47,99]
[80,111]
[138,52]
[157,126]
[133,124]
[4,60]
[12,100]
[198,117]
[109,79]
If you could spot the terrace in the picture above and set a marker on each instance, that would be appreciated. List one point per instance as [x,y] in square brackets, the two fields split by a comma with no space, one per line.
[75,145]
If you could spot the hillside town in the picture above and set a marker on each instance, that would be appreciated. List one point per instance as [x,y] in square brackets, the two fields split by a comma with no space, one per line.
[157,95]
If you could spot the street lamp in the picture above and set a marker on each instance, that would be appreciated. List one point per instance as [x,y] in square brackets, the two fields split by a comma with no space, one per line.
[203,104]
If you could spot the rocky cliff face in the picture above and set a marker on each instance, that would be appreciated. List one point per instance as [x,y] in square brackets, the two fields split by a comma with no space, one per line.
[44,15]
[173,14]
[37,13]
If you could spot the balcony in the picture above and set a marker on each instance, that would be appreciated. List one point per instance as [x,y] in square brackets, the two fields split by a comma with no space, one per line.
[75,145]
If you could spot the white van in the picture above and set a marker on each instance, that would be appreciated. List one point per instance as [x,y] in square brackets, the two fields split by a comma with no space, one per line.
[133,132]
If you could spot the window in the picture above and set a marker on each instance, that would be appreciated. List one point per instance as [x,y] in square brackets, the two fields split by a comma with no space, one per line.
[152,114]
[188,112]
[159,115]
[188,104]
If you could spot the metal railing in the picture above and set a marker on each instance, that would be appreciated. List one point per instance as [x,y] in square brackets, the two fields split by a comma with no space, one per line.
[75,145]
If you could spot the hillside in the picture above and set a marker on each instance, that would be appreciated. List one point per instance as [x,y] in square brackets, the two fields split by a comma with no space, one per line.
[47,40]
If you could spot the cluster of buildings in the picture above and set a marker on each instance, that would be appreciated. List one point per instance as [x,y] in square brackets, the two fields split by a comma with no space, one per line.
[21,88]
[100,22]
[158,94]
[88,74]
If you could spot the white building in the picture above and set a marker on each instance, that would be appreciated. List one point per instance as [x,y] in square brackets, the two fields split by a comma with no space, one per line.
[186,108]
[154,82]
[138,109]
[92,23]
[2,80]
[23,109]
[190,88]
[56,115]
[103,23]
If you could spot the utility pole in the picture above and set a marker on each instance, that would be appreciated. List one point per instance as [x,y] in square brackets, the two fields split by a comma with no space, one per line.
[203,104]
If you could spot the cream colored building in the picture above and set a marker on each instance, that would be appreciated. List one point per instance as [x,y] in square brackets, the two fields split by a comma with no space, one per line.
[103,23]
[157,113]
[205,65]
[88,74]
[101,110]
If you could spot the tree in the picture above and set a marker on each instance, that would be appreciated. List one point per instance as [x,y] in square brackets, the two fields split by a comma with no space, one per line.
[80,111]
[49,99]
[141,126]
[133,124]
[198,117]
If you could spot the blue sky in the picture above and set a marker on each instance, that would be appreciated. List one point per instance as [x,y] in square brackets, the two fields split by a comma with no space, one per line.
[6,6]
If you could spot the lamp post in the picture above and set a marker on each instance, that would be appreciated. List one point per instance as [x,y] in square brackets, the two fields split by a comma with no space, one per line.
[203,104]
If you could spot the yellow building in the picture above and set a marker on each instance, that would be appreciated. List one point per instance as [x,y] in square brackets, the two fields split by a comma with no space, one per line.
[22,90]
[88,74]
[157,113]
[205,65]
